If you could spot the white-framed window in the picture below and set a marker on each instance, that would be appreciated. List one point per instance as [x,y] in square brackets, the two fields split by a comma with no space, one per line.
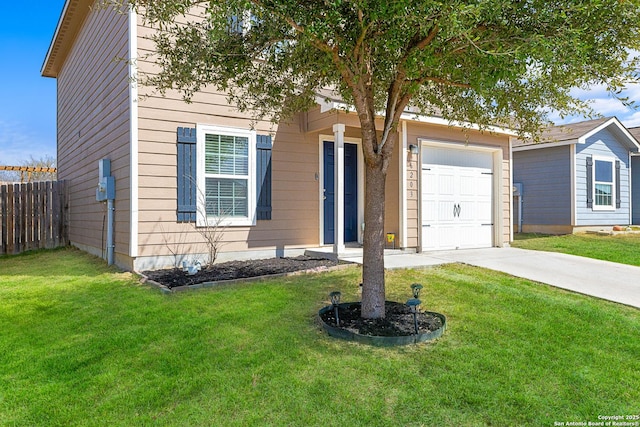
[226,176]
[604,183]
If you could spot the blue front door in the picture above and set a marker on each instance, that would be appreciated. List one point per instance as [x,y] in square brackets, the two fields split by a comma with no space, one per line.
[350,192]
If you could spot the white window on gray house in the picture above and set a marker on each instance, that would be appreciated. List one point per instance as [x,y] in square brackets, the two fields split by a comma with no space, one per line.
[603,184]
[227,178]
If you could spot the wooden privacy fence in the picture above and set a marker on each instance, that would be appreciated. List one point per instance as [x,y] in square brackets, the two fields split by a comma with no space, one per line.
[33,216]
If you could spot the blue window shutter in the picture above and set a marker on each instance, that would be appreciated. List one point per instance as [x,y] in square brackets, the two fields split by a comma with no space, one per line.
[618,198]
[589,182]
[187,181]
[263,176]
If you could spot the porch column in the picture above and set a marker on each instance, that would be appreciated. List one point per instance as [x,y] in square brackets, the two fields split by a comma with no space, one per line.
[403,186]
[338,170]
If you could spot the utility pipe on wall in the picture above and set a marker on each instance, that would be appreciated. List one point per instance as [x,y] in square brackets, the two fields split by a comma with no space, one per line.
[110,230]
[107,191]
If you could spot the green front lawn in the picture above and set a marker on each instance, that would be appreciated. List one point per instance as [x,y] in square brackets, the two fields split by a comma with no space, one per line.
[82,344]
[621,248]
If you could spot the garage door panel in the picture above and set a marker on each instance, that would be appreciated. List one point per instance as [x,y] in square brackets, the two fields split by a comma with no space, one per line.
[457,212]
[446,184]
[440,237]
[467,212]
[437,211]
[485,184]
[448,236]
[465,158]
[430,211]
[470,237]
[484,212]
[430,183]
[468,185]
[482,235]
[474,236]
[445,212]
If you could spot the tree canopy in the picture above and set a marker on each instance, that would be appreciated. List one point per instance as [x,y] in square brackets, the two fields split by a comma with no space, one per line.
[482,62]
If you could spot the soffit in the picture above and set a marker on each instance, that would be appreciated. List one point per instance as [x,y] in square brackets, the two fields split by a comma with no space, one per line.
[71,19]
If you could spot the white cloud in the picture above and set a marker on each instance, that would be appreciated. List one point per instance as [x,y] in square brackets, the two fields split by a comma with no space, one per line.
[604,104]
[633,120]
[18,144]
[596,91]
[609,107]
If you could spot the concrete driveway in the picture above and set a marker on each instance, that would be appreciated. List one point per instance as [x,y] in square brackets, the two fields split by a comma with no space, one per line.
[602,279]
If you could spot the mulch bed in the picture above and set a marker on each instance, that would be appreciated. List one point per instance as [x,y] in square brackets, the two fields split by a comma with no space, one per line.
[232,270]
[398,321]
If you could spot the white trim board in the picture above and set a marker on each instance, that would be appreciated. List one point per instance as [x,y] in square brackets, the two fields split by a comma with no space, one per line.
[133,133]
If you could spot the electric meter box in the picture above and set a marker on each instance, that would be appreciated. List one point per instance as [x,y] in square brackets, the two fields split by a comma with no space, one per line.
[106,183]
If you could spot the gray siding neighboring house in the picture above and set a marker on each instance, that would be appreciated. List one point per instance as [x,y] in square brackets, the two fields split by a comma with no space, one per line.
[546,197]
[578,177]
[635,180]
[635,188]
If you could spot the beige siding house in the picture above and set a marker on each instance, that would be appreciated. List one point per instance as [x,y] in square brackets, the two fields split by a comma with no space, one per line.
[270,189]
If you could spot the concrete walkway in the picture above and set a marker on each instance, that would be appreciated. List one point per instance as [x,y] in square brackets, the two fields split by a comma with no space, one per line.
[602,279]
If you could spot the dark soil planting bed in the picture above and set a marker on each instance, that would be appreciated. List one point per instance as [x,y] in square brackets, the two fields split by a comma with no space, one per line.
[397,328]
[233,270]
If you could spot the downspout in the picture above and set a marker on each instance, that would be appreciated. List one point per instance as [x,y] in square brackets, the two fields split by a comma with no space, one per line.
[511,196]
[574,200]
[133,135]
[110,230]
[630,178]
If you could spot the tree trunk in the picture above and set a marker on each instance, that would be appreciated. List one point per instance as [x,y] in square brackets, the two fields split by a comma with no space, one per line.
[373,289]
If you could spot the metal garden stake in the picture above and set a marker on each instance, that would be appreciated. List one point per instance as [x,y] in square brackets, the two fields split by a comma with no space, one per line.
[413,303]
[335,300]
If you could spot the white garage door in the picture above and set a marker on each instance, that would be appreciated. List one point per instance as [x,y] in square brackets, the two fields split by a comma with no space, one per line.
[457,198]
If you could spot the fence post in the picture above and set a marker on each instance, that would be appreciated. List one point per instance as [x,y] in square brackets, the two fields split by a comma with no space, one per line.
[17,224]
[64,213]
[55,215]
[50,243]
[11,219]
[4,219]
[37,214]
[28,213]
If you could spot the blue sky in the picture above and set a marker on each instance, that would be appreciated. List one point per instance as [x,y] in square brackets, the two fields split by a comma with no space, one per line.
[28,101]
